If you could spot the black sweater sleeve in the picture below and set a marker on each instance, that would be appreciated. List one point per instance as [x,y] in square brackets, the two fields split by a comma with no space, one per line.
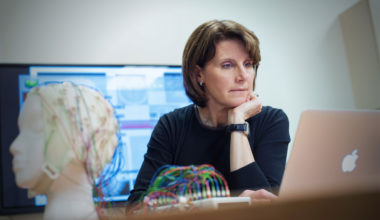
[269,144]
[157,155]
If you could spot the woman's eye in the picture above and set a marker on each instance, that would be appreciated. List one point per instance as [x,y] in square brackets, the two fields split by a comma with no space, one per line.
[226,65]
[248,64]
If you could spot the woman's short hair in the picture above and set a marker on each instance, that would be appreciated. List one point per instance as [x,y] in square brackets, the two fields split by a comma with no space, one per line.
[201,46]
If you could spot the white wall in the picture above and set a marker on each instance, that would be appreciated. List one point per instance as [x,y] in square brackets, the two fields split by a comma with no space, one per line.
[362,55]
[375,13]
[303,58]
[304,63]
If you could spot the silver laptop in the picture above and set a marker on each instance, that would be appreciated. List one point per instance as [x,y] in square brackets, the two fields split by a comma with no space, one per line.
[333,152]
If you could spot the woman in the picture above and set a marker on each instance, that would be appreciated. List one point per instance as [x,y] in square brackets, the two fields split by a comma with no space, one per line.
[67,135]
[226,126]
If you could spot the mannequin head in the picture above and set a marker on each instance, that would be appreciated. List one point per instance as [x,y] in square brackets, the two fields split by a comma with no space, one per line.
[62,123]
[27,148]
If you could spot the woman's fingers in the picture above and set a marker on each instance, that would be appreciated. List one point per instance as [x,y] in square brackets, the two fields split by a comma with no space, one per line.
[252,107]
[249,108]
[259,195]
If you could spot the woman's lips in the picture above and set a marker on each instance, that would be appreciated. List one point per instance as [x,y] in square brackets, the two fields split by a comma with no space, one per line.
[238,90]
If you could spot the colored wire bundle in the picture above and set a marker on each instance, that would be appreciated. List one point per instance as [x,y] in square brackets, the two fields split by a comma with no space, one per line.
[183,184]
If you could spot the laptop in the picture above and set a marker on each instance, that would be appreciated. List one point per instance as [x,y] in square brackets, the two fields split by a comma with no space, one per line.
[333,152]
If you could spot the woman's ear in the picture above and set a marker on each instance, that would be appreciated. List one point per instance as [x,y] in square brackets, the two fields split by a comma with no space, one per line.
[199,74]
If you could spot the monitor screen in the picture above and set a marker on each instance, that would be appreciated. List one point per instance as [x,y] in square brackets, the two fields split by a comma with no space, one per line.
[139,94]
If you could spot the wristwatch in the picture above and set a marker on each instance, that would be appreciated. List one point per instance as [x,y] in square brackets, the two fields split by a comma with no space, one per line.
[239,127]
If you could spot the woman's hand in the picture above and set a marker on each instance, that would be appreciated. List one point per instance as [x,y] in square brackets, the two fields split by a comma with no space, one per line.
[260,195]
[249,108]
[240,150]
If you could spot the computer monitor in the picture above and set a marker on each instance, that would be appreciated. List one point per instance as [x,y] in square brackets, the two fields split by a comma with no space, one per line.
[140,94]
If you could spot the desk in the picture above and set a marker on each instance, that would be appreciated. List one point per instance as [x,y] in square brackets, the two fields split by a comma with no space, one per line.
[364,205]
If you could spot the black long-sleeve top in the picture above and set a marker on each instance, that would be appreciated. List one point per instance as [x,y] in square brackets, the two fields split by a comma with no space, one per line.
[179,138]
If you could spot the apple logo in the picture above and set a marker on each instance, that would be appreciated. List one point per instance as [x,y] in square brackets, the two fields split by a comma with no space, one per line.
[349,161]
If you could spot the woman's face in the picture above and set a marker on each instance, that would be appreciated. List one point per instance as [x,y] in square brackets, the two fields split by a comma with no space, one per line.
[27,148]
[228,76]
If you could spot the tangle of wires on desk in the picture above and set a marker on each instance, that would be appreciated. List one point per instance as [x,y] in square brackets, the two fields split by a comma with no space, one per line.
[172,185]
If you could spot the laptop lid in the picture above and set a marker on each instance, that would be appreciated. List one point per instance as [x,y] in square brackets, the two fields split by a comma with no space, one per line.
[333,152]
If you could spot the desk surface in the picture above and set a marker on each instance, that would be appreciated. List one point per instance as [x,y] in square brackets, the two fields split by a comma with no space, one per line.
[363,205]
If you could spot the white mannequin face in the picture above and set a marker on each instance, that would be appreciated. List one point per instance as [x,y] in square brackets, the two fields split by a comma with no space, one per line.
[27,148]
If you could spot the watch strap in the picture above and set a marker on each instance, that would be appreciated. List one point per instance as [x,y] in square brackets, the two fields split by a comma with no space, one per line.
[239,127]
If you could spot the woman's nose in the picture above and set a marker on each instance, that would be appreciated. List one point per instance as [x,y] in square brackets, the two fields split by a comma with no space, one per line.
[242,73]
